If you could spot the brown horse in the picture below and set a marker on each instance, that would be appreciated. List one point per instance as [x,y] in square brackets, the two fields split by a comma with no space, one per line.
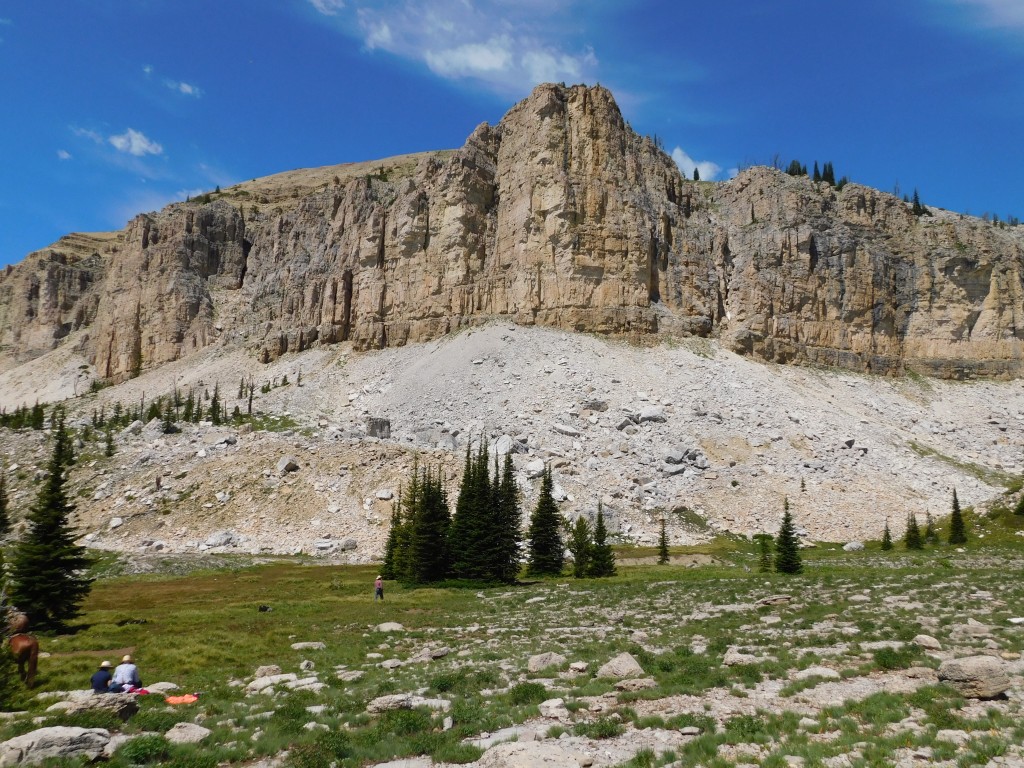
[17,623]
[26,652]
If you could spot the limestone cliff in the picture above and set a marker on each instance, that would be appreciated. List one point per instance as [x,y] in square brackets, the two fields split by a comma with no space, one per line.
[561,216]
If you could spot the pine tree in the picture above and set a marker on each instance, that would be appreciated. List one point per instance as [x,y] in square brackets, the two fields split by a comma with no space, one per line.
[957,527]
[215,406]
[108,443]
[506,561]
[663,540]
[473,535]
[931,536]
[190,407]
[602,558]
[912,538]
[252,389]
[886,537]
[828,173]
[48,567]
[428,535]
[5,515]
[241,388]
[817,173]
[389,569]
[579,546]
[787,546]
[696,174]
[764,548]
[1019,508]
[545,538]
[167,426]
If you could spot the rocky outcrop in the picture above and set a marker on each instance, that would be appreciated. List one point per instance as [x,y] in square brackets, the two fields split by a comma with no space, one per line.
[560,216]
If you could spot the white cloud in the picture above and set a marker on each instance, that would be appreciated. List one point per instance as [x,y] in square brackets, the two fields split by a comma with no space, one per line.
[999,14]
[328,7]
[147,70]
[63,154]
[85,133]
[187,89]
[507,46]
[135,143]
[708,170]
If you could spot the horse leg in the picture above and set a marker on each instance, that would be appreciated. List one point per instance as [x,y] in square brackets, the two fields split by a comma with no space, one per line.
[33,660]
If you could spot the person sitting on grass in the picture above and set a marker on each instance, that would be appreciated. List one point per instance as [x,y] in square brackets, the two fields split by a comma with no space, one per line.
[100,679]
[126,677]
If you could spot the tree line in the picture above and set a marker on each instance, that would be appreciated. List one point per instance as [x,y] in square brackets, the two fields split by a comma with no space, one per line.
[482,539]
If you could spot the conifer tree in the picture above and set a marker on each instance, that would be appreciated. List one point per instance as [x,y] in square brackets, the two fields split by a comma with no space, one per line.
[428,535]
[602,558]
[579,546]
[545,539]
[389,569]
[764,548]
[252,389]
[1019,508]
[931,536]
[957,527]
[190,406]
[473,535]
[912,538]
[696,174]
[215,405]
[817,173]
[886,537]
[506,565]
[5,515]
[167,426]
[787,546]
[663,540]
[108,443]
[48,568]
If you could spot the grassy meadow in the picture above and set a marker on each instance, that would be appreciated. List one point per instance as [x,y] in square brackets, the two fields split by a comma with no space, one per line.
[724,656]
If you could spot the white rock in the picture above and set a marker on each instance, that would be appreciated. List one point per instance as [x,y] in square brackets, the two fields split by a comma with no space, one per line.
[622,666]
[187,733]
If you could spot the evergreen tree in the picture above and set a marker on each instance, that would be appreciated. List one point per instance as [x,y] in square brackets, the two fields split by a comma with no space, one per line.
[215,405]
[787,546]
[429,535]
[931,536]
[916,208]
[473,535]
[579,545]
[190,407]
[957,527]
[817,173]
[5,515]
[48,567]
[764,548]
[252,389]
[167,426]
[794,168]
[828,173]
[602,558]
[696,174]
[886,537]
[389,569]
[154,411]
[663,542]
[912,538]
[108,443]
[545,539]
[1019,508]
[506,563]
[241,388]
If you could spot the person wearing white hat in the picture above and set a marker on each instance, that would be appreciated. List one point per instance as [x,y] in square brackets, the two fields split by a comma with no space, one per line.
[126,676]
[100,679]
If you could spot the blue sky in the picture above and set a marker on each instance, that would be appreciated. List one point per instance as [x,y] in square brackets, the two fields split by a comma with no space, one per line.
[112,107]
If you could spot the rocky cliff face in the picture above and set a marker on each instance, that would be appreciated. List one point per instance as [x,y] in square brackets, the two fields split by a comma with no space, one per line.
[560,216]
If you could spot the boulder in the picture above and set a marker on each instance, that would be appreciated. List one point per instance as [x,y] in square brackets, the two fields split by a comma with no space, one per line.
[267,670]
[825,673]
[313,646]
[621,667]
[59,742]
[535,468]
[389,702]
[545,660]
[927,642]
[976,677]
[187,733]
[390,626]
[554,709]
[124,705]
[265,683]
[853,546]
[636,684]
[565,429]
[287,464]
[379,427]
[654,413]
[220,539]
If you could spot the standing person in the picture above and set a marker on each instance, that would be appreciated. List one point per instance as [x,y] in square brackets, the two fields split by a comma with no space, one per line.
[378,589]
[100,679]
[126,677]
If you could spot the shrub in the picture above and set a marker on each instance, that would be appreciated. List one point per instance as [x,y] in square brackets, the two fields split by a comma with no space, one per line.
[191,759]
[527,693]
[326,750]
[602,728]
[145,749]
[889,658]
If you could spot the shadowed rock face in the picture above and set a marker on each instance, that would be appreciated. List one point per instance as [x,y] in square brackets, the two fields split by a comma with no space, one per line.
[561,216]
